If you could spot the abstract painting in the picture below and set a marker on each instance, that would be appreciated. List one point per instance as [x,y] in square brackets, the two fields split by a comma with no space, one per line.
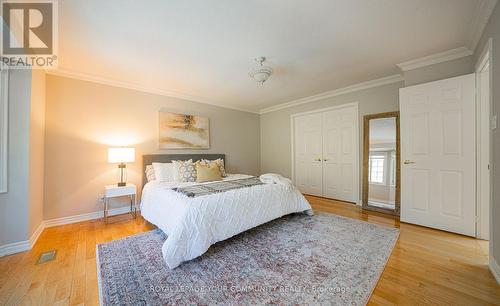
[181,131]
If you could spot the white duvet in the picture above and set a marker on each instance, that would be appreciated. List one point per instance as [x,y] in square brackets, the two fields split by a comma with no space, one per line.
[194,224]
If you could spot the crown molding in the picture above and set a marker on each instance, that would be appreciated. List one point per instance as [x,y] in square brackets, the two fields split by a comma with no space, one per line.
[482,14]
[110,82]
[435,58]
[337,92]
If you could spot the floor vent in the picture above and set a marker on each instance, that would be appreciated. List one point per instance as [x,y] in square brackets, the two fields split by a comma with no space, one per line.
[47,256]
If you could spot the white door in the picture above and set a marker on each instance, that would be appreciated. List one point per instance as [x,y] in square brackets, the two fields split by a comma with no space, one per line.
[438,154]
[308,154]
[339,154]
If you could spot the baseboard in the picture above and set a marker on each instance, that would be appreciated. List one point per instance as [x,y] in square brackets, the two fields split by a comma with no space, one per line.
[495,269]
[36,234]
[27,245]
[15,247]
[22,246]
[85,217]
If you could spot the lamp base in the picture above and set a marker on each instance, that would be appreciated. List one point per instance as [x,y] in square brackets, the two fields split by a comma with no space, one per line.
[123,174]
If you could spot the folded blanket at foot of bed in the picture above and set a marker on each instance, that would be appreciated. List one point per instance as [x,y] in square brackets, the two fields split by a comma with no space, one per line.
[216,187]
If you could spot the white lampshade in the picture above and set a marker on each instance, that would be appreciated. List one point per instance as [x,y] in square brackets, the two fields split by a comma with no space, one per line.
[121,155]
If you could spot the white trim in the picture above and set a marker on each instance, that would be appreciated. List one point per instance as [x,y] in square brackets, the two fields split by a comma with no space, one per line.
[325,109]
[27,245]
[483,175]
[435,58]
[495,269]
[4,127]
[110,82]
[15,247]
[485,55]
[355,105]
[22,246]
[85,217]
[36,234]
[483,12]
[337,92]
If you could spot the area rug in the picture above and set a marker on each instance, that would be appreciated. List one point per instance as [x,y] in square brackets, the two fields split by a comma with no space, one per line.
[296,259]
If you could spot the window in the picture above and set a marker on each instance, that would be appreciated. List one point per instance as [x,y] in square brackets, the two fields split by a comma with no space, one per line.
[376,168]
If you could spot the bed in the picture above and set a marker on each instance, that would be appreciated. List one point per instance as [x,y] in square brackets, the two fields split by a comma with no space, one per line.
[193,224]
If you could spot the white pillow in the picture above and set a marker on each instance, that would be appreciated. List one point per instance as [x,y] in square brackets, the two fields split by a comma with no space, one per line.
[164,172]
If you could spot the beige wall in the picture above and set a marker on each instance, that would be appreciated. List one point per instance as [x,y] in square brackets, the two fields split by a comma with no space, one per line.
[275,139]
[83,119]
[36,153]
[445,70]
[493,31]
[14,203]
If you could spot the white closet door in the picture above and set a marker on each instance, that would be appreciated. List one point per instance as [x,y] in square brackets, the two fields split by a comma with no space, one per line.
[438,154]
[308,153]
[339,154]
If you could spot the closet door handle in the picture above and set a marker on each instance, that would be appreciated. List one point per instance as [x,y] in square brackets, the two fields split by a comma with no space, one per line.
[325,159]
[317,159]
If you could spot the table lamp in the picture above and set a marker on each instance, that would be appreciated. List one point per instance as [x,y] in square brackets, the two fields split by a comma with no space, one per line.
[121,156]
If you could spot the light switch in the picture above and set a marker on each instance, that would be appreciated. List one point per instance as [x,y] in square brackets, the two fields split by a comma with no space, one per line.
[493,122]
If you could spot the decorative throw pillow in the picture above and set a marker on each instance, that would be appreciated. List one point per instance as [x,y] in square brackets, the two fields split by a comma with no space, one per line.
[150,173]
[207,173]
[163,172]
[184,171]
[219,162]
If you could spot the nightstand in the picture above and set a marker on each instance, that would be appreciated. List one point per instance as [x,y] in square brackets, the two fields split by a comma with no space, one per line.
[113,191]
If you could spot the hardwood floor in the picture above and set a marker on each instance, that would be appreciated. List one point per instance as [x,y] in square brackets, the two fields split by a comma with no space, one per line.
[426,267]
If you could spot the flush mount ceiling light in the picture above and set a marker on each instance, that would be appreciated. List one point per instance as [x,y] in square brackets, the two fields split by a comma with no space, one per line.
[261,73]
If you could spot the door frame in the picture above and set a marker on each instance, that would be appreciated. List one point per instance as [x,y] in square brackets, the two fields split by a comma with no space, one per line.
[366,153]
[483,176]
[354,105]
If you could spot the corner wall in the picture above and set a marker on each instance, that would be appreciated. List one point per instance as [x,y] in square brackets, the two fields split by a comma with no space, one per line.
[36,151]
[14,223]
[492,30]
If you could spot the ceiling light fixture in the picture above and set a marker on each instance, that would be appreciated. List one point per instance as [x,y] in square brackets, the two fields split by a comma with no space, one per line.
[261,73]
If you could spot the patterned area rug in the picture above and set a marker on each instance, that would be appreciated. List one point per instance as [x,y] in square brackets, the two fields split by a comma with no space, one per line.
[296,259]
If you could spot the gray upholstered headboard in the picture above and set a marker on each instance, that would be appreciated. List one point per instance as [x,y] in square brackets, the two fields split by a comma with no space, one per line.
[167,158]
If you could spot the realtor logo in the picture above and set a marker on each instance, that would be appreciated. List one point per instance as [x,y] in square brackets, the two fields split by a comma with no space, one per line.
[29,37]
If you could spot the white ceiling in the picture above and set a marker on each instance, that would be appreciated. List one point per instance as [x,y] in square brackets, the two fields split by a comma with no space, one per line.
[204,49]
